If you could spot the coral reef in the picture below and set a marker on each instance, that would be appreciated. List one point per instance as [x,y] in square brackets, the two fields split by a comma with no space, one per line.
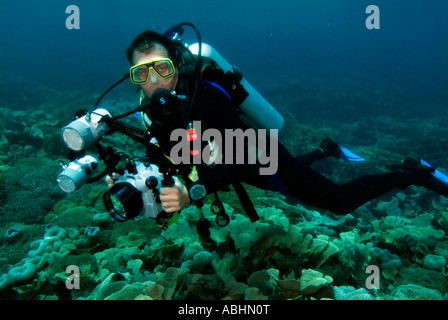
[269,259]
[292,252]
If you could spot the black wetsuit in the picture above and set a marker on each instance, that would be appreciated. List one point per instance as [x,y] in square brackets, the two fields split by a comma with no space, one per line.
[294,174]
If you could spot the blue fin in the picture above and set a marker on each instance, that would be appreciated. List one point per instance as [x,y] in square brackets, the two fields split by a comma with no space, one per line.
[138,115]
[439,175]
[347,154]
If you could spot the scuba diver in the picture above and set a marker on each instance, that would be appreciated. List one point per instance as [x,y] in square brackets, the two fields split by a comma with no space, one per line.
[158,63]
[194,90]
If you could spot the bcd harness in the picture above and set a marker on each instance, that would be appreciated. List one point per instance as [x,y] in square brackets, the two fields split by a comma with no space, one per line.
[229,84]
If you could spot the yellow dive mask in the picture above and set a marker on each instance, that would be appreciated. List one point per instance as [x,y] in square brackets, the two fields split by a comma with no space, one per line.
[141,72]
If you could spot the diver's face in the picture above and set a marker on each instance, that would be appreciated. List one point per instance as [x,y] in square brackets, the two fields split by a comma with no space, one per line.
[155,82]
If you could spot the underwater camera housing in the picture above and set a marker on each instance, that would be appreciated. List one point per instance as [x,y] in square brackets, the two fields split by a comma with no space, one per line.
[135,193]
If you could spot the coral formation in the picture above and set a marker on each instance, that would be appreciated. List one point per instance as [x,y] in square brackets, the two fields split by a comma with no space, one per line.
[292,252]
[270,259]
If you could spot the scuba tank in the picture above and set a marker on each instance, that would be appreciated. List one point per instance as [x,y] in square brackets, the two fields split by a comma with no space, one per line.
[258,113]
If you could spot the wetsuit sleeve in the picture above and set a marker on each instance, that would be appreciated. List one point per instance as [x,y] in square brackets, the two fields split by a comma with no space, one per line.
[223,175]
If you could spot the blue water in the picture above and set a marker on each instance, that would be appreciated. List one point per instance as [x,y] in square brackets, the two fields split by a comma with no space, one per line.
[271,41]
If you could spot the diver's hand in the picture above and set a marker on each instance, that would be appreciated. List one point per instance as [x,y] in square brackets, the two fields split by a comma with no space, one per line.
[174,198]
[110,180]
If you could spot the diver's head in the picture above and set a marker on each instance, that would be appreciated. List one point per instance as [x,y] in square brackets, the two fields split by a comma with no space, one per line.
[154,61]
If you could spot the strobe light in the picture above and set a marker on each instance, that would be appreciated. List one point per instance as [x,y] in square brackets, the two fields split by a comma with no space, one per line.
[76,174]
[86,130]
